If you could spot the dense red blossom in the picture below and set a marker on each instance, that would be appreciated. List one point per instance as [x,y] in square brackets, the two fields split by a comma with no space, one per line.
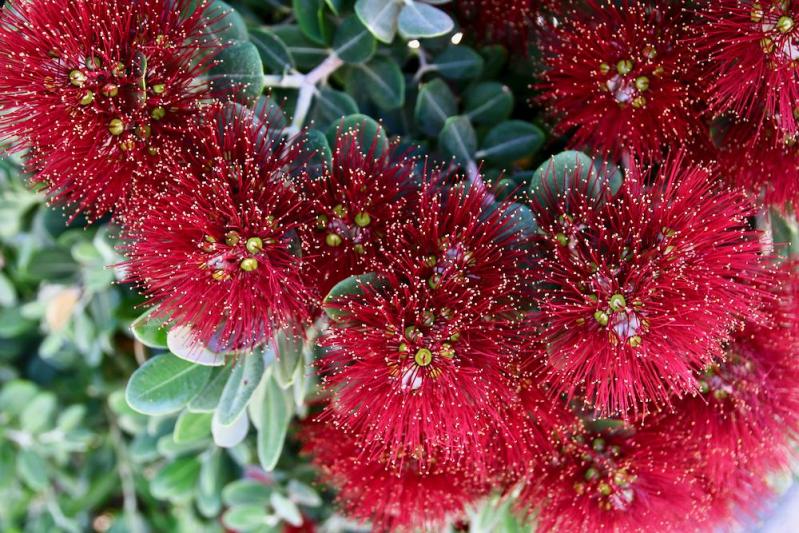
[617,478]
[640,290]
[355,200]
[751,50]
[506,22]
[615,76]
[415,370]
[393,497]
[460,238]
[746,416]
[218,251]
[765,163]
[101,93]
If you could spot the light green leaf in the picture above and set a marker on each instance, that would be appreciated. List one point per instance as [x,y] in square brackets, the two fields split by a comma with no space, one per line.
[274,425]
[182,343]
[164,384]
[150,331]
[229,436]
[289,355]
[246,492]
[176,481]
[38,414]
[245,517]
[32,469]
[458,139]
[191,427]
[353,42]
[380,16]
[418,21]
[245,377]
[207,400]
[349,286]
[286,509]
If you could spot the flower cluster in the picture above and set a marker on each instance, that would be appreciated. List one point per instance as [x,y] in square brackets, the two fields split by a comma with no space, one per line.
[625,359]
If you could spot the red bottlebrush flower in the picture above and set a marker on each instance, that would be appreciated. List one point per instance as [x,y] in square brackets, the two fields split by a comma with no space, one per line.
[620,478]
[415,370]
[764,162]
[638,291]
[746,417]
[354,202]
[393,497]
[218,250]
[463,239]
[101,93]
[615,76]
[431,341]
[507,22]
[752,48]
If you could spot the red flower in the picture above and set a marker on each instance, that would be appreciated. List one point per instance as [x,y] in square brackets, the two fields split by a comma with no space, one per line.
[218,250]
[765,161]
[746,417]
[752,50]
[358,197]
[615,77]
[393,497]
[639,291]
[101,93]
[606,476]
[507,22]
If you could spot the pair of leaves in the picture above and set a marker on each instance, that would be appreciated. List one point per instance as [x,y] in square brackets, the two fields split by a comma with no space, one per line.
[413,19]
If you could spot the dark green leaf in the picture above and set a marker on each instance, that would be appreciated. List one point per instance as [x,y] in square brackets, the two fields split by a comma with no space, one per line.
[275,55]
[176,481]
[239,71]
[383,81]
[347,287]
[434,105]
[331,105]
[192,427]
[510,141]
[458,63]
[458,139]
[368,132]
[353,43]
[488,103]
[310,18]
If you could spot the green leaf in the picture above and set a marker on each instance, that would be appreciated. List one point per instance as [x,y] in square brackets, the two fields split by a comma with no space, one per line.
[239,71]
[150,331]
[52,264]
[246,492]
[435,103]
[245,517]
[32,469]
[274,425]
[38,414]
[306,53]
[191,427]
[419,21]
[286,509]
[458,139]
[311,19]
[346,287]
[16,395]
[569,169]
[335,6]
[245,377]
[183,344]
[8,294]
[330,105]
[458,63]
[228,25]
[488,103]
[275,55]
[207,400]
[380,16]
[231,435]
[316,144]
[383,80]
[303,494]
[176,481]
[510,141]
[164,384]
[353,43]
[209,487]
[368,132]
[289,355]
